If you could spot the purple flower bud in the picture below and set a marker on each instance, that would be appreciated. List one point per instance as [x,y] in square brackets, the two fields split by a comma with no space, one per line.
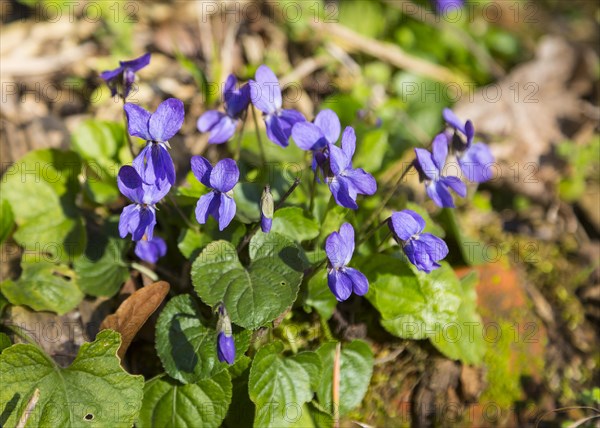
[265,224]
[267,209]
[225,348]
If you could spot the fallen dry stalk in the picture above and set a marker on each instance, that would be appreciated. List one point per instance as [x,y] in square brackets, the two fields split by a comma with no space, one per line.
[336,385]
[387,52]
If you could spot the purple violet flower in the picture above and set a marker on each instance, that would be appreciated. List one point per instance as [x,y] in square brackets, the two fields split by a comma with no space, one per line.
[222,125]
[423,250]
[122,77]
[150,250]
[474,159]
[466,128]
[265,94]
[346,182]
[343,280]
[219,202]
[156,128]
[430,169]
[225,348]
[315,136]
[444,6]
[139,218]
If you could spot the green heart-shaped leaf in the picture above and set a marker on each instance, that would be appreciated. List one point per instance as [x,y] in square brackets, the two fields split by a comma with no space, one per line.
[253,295]
[169,404]
[292,222]
[319,296]
[98,140]
[280,385]
[187,342]
[411,303]
[44,286]
[93,391]
[463,339]
[41,189]
[101,269]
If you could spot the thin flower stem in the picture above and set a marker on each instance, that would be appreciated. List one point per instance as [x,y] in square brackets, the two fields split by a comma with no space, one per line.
[165,273]
[182,215]
[256,226]
[238,146]
[143,269]
[384,240]
[288,193]
[129,142]
[373,217]
[371,232]
[248,237]
[313,271]
[313,191]
[260,142]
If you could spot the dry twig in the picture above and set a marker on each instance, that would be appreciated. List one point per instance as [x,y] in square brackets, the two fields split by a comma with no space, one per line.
[388,52]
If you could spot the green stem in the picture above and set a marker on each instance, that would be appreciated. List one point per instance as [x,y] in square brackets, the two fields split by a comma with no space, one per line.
[254,229]
[143,269]
[238,147]
[312,272]
[182,215]
[370,233]
[384,202]
[129,142]
[386,237]
[288,193]
[313,191]
[260,143]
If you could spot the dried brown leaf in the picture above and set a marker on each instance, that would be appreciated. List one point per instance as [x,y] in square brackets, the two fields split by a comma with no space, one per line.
[134,312]
[528,113]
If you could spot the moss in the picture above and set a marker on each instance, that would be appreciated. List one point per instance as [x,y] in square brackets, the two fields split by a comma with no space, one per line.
[504,373]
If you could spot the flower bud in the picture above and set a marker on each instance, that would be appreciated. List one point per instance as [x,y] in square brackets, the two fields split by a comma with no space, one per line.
[225,348]
[225,343]
[267,208]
